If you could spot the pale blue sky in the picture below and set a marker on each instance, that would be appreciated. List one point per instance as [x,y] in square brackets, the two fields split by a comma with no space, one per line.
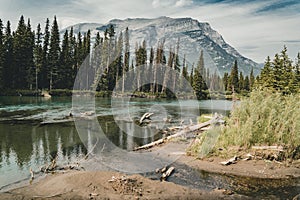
[255,28]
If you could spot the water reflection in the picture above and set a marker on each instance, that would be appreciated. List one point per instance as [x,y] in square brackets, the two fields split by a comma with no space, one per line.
[25,143]
[24,146]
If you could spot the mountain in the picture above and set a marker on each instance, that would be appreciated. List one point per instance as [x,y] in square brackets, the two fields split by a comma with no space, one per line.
[194,36]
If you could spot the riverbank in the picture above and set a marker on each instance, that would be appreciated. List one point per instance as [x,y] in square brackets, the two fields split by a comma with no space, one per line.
[114,185]
[214,95]
[109,185]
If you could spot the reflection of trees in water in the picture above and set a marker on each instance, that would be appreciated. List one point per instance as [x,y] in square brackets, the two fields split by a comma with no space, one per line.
[37,145]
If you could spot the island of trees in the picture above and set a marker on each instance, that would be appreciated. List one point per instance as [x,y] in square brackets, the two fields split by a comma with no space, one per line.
[38,60]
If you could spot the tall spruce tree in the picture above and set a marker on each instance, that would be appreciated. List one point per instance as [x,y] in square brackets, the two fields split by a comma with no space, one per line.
[252,79]
[234,77]
[30,68]
[225,81]
[54,53]
[72,47]
[20,55]
[266,74]
[2,51]
[65,66]
[241,81]
[126,58]
[45,70]
[9,68]
[38,56]
[297,73]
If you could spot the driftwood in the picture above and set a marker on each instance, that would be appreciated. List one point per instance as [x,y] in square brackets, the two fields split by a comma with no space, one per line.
[272,148]
[230,161]
[166,174]
[145,116]
[216,119]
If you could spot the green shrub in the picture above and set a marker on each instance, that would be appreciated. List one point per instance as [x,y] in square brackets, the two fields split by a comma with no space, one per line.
[265,118]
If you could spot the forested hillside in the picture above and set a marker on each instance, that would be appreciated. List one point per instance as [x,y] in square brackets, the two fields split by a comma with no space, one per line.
[40,60]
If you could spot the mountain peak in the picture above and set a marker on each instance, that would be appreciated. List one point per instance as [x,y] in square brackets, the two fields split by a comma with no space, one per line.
[194,36]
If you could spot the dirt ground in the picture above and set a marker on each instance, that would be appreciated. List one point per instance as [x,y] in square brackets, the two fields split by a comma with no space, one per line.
[108,185]
[114,185]
[250,168]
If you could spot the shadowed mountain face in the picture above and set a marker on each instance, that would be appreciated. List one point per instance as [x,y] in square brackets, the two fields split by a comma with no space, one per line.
[193,36]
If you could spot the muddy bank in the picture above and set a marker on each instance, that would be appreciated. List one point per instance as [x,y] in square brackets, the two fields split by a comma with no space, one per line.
[109,185]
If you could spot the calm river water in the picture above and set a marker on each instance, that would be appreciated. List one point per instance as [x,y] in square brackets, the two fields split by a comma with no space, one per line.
[33,130]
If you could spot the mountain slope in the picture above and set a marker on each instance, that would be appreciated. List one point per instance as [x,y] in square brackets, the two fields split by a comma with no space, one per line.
[194,36]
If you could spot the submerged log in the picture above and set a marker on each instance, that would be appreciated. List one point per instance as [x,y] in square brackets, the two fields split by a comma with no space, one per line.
[145,116]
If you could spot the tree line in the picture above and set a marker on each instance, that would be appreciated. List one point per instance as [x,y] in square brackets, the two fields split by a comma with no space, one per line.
[39,60]
[280,74]
[36,60]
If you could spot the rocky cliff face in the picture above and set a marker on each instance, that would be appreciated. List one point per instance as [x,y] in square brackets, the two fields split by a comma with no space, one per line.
[194,36]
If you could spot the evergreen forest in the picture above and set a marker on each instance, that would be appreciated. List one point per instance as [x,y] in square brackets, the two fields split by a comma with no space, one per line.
[35,60]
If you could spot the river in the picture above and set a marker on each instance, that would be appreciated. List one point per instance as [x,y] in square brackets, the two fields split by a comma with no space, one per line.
[33,130]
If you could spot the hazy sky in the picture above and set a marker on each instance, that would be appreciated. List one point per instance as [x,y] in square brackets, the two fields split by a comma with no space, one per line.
[255,28]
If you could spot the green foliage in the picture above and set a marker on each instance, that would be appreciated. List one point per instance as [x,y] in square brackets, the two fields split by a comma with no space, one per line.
[234,78]
[203,118]
[265,118]
[2,52]
[205,143]
[199,83]
[280,75]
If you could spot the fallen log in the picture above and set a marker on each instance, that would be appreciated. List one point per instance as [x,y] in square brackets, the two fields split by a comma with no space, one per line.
[230,161]
[147,146]
[272,148]
[166,175]
[145,116]
[216,119]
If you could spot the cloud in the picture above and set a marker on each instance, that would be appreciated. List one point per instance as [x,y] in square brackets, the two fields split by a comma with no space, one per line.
[264,25]
[182,3]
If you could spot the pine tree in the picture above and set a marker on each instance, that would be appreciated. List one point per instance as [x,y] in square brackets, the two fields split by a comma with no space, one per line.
[176,65]
[73,68]
[225,81]
[184,76]
[234,77]
[126,58]
[287,68]
[65,66]
[266,74]
[38,56]
[277,81]
[241,81]
[166,79]
[45,71]
[151,69]
[30,68]
[54,53]
[20,60]
[2,51]
[9,68]
[297,74]
[119,61]
[252,79]
[192,76]
[247,84]
[197,85]
[279,75]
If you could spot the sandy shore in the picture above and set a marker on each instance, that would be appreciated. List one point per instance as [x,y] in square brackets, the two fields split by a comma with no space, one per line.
[102,185]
